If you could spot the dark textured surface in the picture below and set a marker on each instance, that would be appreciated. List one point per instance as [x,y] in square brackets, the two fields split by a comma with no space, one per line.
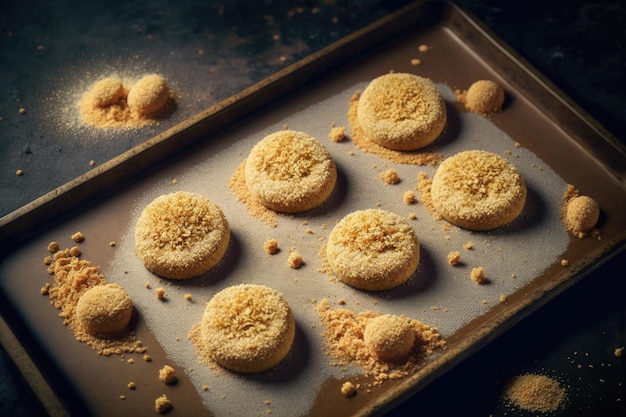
[580,47]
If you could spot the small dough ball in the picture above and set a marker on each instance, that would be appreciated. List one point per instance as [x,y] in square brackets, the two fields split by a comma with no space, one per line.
[149,94]
[107,92]
[390,337]
[582,213]
[104,309]
[484,96]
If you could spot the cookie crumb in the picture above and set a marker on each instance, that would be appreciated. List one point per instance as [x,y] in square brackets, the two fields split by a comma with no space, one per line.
[162,404]
[295,260]
[454,258]
[409,198]
[271,246]
[167,374]
[390,176]
[160,293]
[337,134]
[478,275]
[348,389]
[619,352]
[78,237]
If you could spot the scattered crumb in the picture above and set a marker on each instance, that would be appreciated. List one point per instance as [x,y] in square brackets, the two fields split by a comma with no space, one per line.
[22,110]
[564,262]
[348,389]
[416,61]
[412,216]
[112,243]
[468,245]
[205,387]
[295,260]
[167,374]
[454,258]
[147,358]
[122,397]
[409,197]
[92,163]
[19,172]
[162,404]
[78,237]
[188,297]
[160,292]
[53,247]
[619,352]
[478,275]
[423,48]
[74,251]
[309,231]
[503,298]
[390,176]
[131,385]
[131,361]
[337,134]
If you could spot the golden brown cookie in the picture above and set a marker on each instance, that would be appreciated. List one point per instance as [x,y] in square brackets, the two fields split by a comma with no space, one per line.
[401,111]
[290,172]
[248,328]
[478,190]
[181,235]
[373,250]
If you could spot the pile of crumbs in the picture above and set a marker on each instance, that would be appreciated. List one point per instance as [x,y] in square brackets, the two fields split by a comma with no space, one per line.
[344,336]
[535,393]
[72,278]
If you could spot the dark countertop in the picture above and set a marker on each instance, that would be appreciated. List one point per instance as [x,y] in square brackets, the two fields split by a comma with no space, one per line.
[580,47]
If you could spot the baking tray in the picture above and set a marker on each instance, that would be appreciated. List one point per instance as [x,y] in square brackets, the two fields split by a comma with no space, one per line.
[558,141]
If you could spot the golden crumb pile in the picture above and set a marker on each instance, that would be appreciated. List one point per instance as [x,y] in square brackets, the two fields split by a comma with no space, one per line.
[295,260]
[73,277]
[271,246]
[366,145]
[162,404]
[483,97]
[424,185]
[337,133]
[110,103]
[167,375]
[344,334]
[409,198]
[390,176]
[535,393]
[478,275]
[454,258]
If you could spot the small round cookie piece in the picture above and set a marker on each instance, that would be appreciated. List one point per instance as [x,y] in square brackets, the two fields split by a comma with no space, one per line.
[106,92]
[478,190]
[290,172]
[484,96]
[401,111]
[582,214]
[389,337]
[181,235]
[104,309]
[373,250]
[248,328]
[148,95]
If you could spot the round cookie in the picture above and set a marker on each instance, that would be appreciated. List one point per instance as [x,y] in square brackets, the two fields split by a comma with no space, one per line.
[104,309]
[478,190]
[373,250]
[148,95]
[401,111]
[582,214]
[389,337]
[181,235]
[248,328]
[290,172]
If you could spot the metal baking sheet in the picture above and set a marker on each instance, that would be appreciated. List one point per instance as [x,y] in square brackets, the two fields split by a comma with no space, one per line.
[545,124]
